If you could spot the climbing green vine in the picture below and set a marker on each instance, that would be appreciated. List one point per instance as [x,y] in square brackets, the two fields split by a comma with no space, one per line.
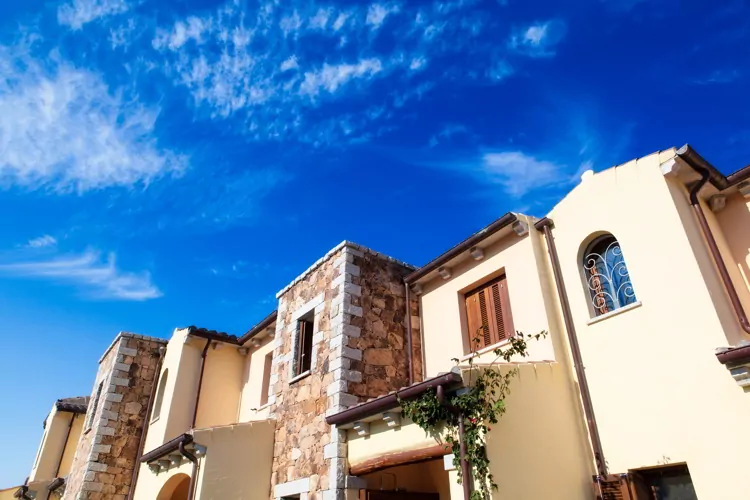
[480,406]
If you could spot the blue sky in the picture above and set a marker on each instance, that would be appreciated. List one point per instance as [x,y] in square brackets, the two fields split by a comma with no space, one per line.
[167,163]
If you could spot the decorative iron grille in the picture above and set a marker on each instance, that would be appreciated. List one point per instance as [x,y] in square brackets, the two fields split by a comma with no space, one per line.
[607,276]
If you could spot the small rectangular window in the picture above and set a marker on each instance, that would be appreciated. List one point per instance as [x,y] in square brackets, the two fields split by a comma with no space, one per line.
[266,378]
[488,314]
[94,406]
[303,352]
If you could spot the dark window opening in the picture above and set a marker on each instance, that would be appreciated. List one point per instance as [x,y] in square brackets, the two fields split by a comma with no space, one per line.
[303,351]
[607,276]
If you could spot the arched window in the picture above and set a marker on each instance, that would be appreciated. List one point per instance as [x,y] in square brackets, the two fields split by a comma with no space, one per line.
[607,276]
[160,395]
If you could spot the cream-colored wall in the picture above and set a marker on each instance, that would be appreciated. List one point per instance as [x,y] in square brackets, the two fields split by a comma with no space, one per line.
[221,387]
[443,309]
[237,462]
[538,449]
[7,494]
[383,440]
[541,436]
[252,383]
[183,360]
[150,485]
[425,477]
[72,444]
[731,230]
[659,393]
[51,446]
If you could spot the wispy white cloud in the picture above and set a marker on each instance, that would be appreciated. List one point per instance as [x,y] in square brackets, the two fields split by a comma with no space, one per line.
[61,128]
[276,65]
[446,132]
[518,173]
[377,13]
[96,277]
[718,77]
[79,12]
[331,77]
[42,241]
[121,35]
[538,39]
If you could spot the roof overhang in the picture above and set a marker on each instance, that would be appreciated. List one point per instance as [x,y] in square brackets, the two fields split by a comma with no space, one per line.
[718,180]
[505,225]
[262,329]
[373,409]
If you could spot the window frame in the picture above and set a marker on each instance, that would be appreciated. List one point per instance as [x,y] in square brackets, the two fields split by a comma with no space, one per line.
[493,297]
[591,263]
[161,389]
[94,407]
[303,347]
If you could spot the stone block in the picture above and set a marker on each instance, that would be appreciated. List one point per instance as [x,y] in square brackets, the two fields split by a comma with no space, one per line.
[97,467]
[333,450]
[128,351]
[92,486]
[113,397]
[352,309]
[351,269]
[348,352]
[120,381]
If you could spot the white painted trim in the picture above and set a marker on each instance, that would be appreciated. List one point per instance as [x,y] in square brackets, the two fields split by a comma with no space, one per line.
[299,377]
[621,310]
[292,488]
[308,306]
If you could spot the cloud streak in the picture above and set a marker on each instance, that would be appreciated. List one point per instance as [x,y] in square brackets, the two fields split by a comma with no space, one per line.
[80,12]
[42,241]
[538,39]
[96,277]
[61,128]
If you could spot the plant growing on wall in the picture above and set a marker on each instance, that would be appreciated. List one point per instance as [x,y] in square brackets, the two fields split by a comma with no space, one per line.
[477,407]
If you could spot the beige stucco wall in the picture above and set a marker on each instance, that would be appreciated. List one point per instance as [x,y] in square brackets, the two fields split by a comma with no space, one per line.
[383,440]
[182,359]
[731,228]
[542,435]
[237,462]
[252,382]
[70,446]
[7,494]
[443,309]
[221,387]
[659,393]
[150,485]
[51,447]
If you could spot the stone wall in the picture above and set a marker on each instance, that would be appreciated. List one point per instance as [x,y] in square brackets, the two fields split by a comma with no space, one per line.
[359,352]
[106,452]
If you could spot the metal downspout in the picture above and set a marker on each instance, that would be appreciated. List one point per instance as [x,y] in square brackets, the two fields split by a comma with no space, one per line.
[200,383]
[739,311]
[545,226]
[194,474]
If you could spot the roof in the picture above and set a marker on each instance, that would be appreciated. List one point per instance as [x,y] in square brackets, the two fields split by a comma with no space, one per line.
[736,354]
[233,339]
[167,448]
[77,404]
[466,244]
[719,180]
[391,401]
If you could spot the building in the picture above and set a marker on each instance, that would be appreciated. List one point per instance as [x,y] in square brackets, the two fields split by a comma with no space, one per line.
[638,391]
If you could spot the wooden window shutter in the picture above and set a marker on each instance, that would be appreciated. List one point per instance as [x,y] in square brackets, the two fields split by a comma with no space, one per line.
[614,487]
[489,319]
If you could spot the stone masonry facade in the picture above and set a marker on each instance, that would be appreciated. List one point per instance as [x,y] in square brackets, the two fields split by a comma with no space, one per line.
[357,299]
[106,453]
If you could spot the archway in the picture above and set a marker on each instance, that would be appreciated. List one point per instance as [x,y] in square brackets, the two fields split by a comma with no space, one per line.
[176,488]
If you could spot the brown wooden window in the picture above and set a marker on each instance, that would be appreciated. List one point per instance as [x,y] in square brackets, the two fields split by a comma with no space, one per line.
[488,314]
[303,350]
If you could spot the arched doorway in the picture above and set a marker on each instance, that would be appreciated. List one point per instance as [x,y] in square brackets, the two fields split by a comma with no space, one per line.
[176,488]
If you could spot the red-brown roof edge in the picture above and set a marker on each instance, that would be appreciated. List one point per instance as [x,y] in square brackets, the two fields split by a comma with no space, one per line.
[466,244]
